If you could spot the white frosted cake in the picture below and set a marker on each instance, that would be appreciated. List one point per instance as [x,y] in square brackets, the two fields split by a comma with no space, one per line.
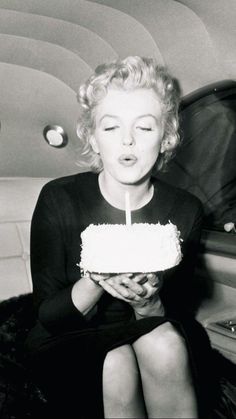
[117,248]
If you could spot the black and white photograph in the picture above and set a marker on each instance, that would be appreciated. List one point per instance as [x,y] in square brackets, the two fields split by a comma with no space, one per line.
[117,209]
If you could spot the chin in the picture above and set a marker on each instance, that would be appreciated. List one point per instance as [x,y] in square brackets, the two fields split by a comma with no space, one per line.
[130,175]
[132,180]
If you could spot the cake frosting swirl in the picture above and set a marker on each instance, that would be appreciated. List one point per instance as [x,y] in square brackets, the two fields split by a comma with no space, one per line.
[141,247]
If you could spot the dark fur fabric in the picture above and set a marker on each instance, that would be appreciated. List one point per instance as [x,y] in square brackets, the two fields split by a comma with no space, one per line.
[21,399]
[226,401]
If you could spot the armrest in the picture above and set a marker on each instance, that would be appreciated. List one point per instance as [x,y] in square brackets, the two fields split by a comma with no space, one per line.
[221,328]
[218,242]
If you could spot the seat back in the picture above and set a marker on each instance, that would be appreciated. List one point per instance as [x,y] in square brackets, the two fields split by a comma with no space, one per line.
[18,197]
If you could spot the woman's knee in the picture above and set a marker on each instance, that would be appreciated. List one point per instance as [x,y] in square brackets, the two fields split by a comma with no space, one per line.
[120,372]
[117,358]
[162,350]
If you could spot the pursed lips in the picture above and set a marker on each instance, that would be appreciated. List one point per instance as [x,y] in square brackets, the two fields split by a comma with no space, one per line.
[127,159]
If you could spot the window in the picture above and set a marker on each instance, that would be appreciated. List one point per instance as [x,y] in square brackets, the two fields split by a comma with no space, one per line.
[205,163]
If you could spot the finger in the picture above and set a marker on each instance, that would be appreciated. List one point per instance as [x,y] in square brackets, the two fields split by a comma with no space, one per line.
[98,277]
[118,279]
[122,289]
[134,286]
[140,278]
[107,287]
[126,280]
[153,279]
[114,291]
[151,290]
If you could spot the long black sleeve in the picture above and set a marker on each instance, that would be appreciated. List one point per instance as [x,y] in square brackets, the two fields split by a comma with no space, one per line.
[51,288]
[182,291]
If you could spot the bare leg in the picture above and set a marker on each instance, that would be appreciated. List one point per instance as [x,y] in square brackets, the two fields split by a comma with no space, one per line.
[166,379]
[122,392]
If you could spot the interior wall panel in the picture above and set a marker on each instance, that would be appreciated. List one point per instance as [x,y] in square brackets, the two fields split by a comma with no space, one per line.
[49,47]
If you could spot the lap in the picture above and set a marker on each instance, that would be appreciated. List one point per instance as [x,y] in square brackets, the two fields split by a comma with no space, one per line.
[80,355]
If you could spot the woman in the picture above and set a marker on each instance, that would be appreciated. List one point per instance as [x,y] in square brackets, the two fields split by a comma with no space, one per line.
[120,346]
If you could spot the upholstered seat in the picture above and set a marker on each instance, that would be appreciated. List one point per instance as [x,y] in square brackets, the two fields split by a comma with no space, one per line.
[18,197]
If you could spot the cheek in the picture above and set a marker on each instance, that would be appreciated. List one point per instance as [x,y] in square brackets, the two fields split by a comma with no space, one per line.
[107,152]
[152,150]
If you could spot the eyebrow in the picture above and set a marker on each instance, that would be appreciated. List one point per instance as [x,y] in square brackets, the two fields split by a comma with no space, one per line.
[149,115]
[108,116]
[139,117]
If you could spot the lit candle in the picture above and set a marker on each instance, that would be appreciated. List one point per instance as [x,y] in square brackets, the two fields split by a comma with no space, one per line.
[127,209]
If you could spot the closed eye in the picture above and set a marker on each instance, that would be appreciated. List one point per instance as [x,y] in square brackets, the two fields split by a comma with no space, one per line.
[145,128]
[112,128]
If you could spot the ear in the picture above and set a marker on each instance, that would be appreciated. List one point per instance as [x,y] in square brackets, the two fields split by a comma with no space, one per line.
[167,144]
[94,144]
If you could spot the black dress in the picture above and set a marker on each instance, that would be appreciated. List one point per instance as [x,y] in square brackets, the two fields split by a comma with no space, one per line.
[67,349]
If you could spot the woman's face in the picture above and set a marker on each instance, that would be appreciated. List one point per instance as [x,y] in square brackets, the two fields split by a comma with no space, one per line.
[128,134]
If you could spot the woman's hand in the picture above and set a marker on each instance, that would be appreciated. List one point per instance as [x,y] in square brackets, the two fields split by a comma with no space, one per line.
[139,290]
[150,304]
[121,286]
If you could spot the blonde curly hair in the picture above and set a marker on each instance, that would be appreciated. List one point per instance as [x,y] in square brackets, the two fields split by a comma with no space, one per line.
[128,74]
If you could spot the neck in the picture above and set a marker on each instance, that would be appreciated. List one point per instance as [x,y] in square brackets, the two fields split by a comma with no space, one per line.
[114,192]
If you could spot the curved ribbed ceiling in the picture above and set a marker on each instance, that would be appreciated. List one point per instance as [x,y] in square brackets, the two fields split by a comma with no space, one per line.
[49,47]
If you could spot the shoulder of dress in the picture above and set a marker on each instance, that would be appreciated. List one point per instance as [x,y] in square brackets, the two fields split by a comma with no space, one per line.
[180,194]
[78,180]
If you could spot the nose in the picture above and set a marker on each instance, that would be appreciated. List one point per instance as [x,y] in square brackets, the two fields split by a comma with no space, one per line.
[128,138]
